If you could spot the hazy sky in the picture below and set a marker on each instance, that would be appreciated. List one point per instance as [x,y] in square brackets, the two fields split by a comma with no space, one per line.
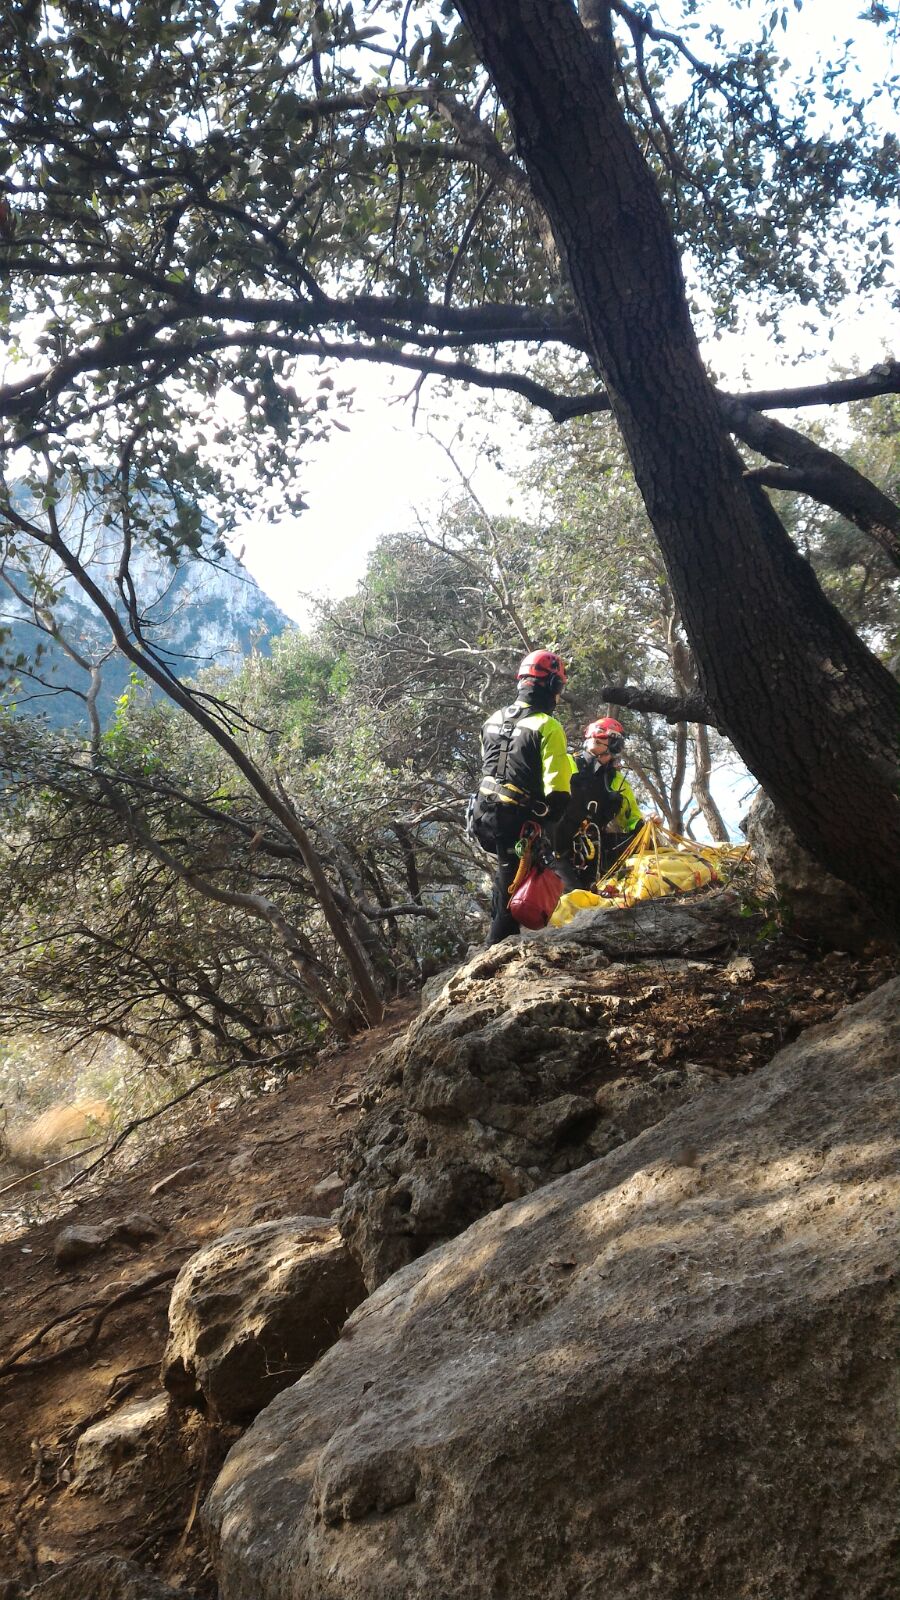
[371,480]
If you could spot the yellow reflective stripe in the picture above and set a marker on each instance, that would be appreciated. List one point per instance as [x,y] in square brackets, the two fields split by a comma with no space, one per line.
[491,786]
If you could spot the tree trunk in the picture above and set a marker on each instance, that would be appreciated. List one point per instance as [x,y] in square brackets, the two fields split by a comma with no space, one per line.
[812,712]
[700,786]
[679,767]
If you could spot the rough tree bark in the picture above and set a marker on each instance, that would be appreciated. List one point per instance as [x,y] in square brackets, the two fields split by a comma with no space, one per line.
[813,713]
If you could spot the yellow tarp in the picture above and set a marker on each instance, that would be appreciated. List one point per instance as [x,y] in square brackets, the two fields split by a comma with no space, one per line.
[570,905]
[660,863]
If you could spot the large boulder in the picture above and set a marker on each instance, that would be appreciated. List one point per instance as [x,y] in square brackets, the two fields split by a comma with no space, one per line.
[815,904]
[502,1083]
[666,1375]
[687,926]
[253,1311]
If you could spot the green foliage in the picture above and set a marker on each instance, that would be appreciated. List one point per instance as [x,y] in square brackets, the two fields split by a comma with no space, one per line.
[190,205]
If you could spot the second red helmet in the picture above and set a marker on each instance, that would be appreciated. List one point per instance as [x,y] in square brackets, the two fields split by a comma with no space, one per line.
[542,665]
[603,728]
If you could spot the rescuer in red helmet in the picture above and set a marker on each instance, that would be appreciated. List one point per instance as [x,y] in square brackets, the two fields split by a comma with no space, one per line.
[602,814]
[526,771]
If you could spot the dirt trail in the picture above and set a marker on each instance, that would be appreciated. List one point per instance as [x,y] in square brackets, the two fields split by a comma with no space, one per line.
[255,1161]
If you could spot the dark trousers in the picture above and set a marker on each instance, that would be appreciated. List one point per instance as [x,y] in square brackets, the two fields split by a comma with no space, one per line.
[508,828]
[612,846]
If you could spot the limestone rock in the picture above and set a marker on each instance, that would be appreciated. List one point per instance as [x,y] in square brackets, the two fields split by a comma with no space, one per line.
[815,904]
[136,1229]
[80,1240]
[104,1578]
[632,1104]
[254,1310]
[697,925]
[435,986]
[77,1242]
[110,1457]
[482,1099]
[654,1378]
[329,1189]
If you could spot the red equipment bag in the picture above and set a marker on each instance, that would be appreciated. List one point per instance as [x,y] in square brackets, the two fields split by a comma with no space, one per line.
[536,898]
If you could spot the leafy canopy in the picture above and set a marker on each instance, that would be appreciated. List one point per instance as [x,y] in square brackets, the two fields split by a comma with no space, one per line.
[193,197]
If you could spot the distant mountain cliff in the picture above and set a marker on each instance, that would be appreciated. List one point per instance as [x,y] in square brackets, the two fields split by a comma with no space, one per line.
[205,612]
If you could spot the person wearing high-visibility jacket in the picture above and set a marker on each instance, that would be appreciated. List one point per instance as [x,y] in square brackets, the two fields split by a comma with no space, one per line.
[526,775]
[602,814]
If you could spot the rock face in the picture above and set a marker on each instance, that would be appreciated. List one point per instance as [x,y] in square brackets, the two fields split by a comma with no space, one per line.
[694,926]
[664,1377]
[816,905]
[253,1311]
[484,1098]
[111,1456]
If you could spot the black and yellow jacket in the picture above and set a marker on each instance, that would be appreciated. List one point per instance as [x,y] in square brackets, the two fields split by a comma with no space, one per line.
[524,757]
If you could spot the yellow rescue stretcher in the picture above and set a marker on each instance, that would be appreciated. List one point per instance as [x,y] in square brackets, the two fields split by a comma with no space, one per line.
[659,863]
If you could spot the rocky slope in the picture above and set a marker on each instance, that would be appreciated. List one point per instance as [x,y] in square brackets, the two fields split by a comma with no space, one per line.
[720,1259]
[668,1374]
[538,1056]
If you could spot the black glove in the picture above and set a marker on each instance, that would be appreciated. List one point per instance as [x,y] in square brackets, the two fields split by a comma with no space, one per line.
[557,805]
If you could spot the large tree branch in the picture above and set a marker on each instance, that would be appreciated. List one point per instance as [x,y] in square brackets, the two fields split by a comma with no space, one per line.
[674,707]
[134,349]
[561,407]
[808,468]
[881,379]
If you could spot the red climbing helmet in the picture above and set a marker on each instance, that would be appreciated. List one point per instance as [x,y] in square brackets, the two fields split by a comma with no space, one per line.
[542,666]
[603,728]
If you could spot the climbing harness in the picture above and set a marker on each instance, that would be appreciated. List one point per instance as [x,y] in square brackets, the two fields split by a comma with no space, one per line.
[498,787]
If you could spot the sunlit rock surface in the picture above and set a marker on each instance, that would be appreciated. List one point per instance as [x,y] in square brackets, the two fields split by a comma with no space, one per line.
[253,1311]
[493,1089]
